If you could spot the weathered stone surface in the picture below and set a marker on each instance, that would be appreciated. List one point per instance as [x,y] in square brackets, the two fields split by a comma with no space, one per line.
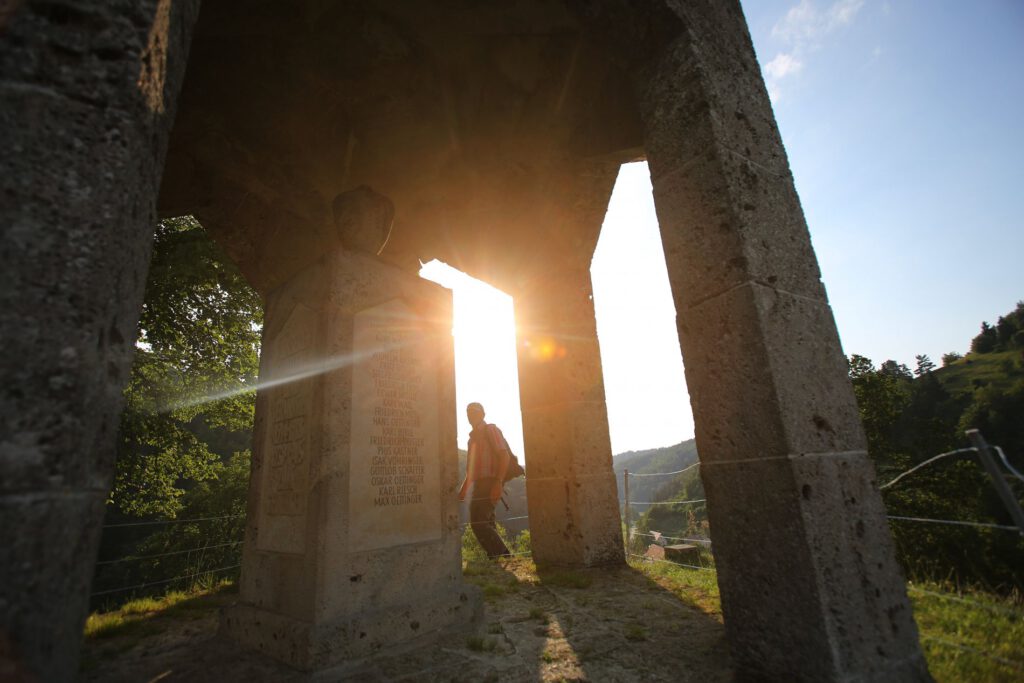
[758,346]
[573,499]
[725,221]
[818,527]
[87,92]
[774,412]
[353,538]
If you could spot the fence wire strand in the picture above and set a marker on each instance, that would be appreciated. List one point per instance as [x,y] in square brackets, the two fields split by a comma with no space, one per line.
[175,552]
[1019,666]
[193,575]
[982,525]
[666,502]
[169,521]
[663,474]
[956,598]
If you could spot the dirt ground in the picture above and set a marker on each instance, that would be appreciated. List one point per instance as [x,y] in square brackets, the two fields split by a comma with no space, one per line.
[584,625]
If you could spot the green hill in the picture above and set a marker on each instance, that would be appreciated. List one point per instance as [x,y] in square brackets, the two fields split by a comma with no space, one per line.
[653,461]
[998,369]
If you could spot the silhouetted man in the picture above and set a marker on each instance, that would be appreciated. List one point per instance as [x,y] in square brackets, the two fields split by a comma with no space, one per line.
[486,465]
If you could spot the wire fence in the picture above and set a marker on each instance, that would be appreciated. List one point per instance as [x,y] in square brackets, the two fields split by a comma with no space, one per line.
[658,543]
[687,550]
[157,560]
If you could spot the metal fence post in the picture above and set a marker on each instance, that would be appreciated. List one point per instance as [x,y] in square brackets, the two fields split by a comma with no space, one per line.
[996,475]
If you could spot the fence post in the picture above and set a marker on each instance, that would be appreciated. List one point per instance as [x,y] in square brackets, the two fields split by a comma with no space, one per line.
[629,531]
[996,475]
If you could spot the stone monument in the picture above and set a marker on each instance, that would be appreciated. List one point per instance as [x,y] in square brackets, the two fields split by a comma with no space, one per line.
[353,539]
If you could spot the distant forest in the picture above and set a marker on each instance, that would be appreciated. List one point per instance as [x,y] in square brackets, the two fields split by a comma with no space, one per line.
[908,416]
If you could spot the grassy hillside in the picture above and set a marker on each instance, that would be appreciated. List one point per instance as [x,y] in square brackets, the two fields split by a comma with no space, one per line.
[976,370]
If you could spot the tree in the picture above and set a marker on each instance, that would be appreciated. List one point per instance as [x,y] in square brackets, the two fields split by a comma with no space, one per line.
[924,365]
[189,400]
[881,397]
[986,340]
[950,358]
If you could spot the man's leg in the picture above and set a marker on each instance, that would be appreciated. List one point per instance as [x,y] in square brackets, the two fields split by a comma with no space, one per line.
[481,519]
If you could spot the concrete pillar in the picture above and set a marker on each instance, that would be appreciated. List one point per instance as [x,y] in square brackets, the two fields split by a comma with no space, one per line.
[353,539]
[87,95]
[810,587]
[570,484]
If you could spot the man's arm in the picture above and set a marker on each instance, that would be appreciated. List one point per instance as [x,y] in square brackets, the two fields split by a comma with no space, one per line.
[470,474]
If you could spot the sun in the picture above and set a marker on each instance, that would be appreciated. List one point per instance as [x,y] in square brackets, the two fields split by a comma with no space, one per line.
[485,350]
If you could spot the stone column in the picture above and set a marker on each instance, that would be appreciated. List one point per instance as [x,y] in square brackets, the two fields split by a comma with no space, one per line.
[570,485]
[810,587]
[353,541]
[87,95]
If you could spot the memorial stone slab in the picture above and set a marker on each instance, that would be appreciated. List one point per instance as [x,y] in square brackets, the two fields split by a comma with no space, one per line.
[353,540]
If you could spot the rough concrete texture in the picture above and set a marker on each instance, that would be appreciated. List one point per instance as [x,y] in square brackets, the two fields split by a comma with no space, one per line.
[571,490]
[806,570]
[311,594]
[88,92]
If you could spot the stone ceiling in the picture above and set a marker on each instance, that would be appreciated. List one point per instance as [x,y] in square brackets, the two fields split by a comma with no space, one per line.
[496,128]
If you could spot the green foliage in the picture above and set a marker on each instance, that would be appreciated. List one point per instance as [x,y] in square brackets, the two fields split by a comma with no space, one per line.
[185,431]
[908,420]
[1006,335]
[950,358]
[972,636]
[188,403]
[924,365]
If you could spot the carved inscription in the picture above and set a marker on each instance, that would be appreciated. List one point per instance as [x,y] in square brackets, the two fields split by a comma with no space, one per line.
[395,469]
[285,445]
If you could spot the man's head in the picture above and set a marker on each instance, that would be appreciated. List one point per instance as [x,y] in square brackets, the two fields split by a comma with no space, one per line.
[475,413]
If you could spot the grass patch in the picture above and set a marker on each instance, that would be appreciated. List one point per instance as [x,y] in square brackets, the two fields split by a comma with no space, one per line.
[538,614]
[479,644]
[548,656]
[980,369]
[966,637]
[566,579]
[133,618]
[974,636]
[494,590]
[635,633]
[695,587]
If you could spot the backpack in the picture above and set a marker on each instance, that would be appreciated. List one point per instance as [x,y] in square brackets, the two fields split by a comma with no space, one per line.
[514,469]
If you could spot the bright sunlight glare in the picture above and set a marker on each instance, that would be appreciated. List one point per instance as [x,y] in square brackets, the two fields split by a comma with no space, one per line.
[645,389]
[485,351]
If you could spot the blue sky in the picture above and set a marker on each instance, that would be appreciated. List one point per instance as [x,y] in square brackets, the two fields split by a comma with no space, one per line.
[902,121]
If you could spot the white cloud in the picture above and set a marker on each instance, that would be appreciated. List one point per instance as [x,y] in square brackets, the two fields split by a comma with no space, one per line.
[802,31]
[804,24]
[782,65]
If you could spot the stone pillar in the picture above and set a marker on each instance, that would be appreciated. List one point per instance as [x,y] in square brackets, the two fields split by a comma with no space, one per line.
[353,539]
[810,587]
[87,95]
[570,484]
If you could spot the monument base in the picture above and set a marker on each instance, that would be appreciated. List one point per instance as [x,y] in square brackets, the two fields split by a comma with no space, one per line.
[312,647]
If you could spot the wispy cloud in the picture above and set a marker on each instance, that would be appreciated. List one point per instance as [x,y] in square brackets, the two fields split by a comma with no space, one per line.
[802,31]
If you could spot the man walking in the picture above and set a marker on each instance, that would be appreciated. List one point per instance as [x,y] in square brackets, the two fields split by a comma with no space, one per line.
[488,460]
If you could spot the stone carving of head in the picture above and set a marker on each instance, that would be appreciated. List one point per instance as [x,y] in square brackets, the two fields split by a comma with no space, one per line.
[363,220]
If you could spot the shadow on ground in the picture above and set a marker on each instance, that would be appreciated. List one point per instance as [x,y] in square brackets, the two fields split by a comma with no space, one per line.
[559,625]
